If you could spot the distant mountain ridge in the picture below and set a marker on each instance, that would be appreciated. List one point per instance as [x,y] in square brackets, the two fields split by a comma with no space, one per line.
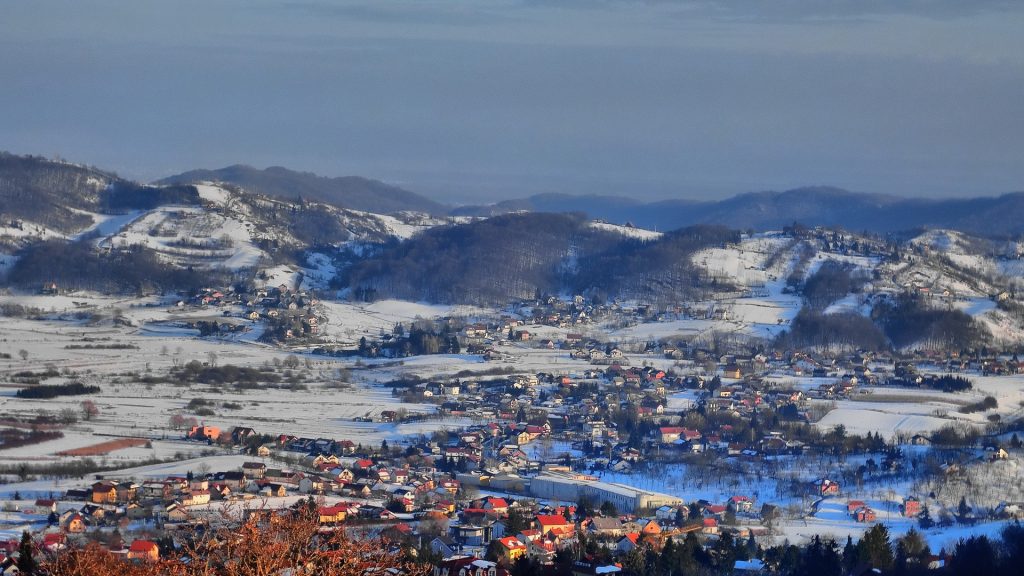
[353,192]
[814,206]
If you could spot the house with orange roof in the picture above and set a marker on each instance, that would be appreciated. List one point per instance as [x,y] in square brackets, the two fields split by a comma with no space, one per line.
[146,550]
[497,505]
[554,523]
[510,548]
[628,543]
[333,514]
[651,528]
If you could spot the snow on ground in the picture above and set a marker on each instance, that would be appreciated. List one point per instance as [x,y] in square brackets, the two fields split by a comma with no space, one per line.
[957,247]
[864,420]
[349,321]
[283,274]
[191,236]
[647,331]
[320,272]
[855,303]
[629,231]
[213,193]
[128,408]
[107,224]
[393,225]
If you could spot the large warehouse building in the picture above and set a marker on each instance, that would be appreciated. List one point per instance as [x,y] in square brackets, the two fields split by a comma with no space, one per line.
[573,487]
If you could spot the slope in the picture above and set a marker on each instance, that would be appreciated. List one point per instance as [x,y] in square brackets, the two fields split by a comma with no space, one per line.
[347,192]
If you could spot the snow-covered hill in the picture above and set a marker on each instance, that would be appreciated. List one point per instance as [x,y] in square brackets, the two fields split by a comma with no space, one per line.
[229,229]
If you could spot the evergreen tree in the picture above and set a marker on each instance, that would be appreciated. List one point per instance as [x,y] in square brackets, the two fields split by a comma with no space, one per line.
[609,509]
[976,555]
[820,558]
[26,558]
[850,557]
[875,547]
[749,549]
[725,552]
[924,519]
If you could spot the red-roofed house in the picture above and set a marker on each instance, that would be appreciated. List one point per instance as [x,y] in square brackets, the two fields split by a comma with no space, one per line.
[556,524]
[498,505]
[144,550]
[510,548]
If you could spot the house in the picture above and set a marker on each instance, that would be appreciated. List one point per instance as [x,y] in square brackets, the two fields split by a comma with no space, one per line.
[196,498]
[709,526]
[444,547]
[628,543]
[240,434]
[554,523]
[911,507]
[741,504]
[468,566]
[864,514]
[273,490]
[650,528]
[202,432]
[470,535]
[853,505]
[256,470]
[752,566]
[74,524]
[828,487]
[104,493]
[600,526]
[669,434]
[510,549]
[54,541]
[497,505]
[333,514]
[176,513]
[146,550]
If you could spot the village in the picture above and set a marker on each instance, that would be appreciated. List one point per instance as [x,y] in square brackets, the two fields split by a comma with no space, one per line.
[558,431]
[555,462]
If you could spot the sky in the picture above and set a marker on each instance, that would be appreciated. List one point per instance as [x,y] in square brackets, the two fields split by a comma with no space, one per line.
[482,100]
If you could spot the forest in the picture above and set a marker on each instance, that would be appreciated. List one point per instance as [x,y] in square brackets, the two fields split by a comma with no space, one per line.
[518,256]
[77,266]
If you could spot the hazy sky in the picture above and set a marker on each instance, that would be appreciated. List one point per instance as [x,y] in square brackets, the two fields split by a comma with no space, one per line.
[470,101]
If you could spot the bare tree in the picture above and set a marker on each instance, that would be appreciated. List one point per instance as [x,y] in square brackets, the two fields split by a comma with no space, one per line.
[89,410]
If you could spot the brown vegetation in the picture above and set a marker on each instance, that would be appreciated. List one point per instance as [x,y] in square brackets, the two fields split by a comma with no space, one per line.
[104,448]
[265,544]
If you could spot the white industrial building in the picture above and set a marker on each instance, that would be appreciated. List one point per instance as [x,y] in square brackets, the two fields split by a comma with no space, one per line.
[573,487]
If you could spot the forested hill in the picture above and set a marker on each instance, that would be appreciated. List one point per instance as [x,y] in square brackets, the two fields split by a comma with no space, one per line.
[59,195]
[517,256]
[351,192]
[817,206]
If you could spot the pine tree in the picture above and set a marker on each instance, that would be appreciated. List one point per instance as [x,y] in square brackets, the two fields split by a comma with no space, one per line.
[849,554]
[875,547]
[962,509]
[26,560]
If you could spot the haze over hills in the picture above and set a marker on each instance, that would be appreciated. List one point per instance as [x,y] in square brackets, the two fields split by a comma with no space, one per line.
[354,192]
[813,206]
[770,210]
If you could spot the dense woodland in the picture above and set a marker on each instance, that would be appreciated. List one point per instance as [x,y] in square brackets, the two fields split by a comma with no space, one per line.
[130,196]
[518,256]
[910,320]
[48,193]
[78,266]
